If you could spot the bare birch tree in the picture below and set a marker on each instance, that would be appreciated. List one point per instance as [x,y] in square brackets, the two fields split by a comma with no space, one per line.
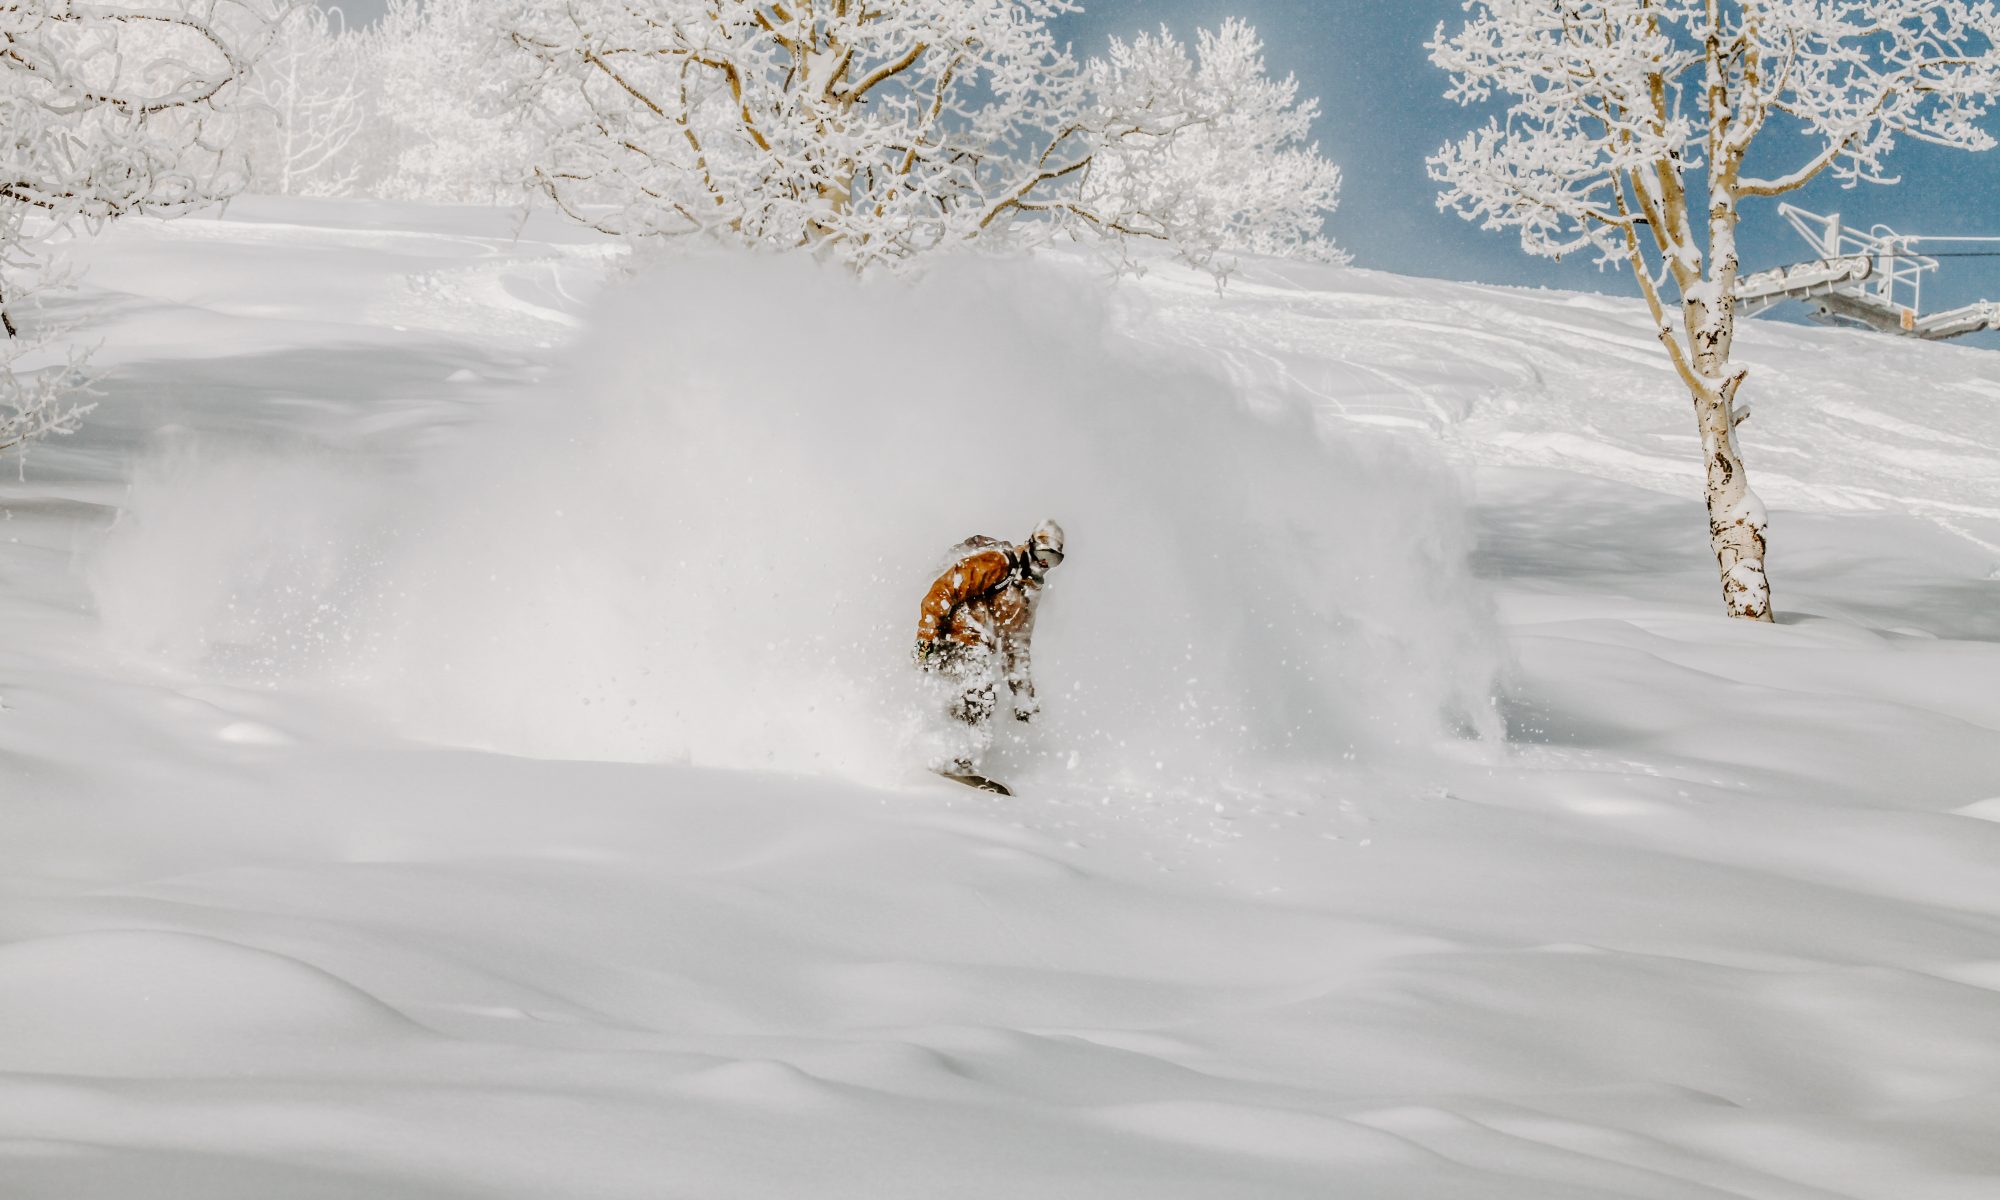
[1635,129]
[105,111]
[876,133]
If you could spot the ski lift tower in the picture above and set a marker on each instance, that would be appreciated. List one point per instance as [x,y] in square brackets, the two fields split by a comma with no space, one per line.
[1873,280]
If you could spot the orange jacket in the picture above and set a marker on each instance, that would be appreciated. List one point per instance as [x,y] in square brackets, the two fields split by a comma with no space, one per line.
[986,601]
[982,599]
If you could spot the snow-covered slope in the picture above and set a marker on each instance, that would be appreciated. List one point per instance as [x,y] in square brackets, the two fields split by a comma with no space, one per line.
[457,741]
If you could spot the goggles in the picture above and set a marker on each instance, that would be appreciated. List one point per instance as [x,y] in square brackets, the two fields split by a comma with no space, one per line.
[1046,556]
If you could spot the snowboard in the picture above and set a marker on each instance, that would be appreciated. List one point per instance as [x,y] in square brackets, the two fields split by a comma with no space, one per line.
[978,781]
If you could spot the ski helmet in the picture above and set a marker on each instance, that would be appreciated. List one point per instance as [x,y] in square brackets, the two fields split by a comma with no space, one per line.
[1045,546]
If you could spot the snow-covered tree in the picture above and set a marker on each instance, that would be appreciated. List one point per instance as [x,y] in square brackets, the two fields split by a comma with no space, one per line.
[110,111]
[1635,129]
[447,134]
[873,134]
[1237,172]
[105,110]
[309,103]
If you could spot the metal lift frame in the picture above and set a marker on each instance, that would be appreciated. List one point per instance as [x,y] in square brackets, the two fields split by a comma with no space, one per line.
[1873,279]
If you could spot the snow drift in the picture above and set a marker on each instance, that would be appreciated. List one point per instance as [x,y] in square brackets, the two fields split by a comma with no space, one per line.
[705,538]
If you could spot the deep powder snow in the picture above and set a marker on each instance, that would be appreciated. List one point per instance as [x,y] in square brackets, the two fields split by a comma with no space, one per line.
[456,741]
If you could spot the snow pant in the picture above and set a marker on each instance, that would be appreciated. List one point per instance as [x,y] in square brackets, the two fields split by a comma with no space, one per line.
[968,672]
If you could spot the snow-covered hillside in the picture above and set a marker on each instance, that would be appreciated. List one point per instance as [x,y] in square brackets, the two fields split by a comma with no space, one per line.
[458,741]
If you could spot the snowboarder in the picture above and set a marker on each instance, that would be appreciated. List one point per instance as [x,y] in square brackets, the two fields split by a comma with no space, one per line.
[978,616]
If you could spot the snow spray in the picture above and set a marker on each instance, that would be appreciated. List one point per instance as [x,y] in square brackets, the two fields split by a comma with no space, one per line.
[705,537]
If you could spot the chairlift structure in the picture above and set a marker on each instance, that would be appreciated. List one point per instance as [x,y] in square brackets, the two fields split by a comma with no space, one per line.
[1873,280]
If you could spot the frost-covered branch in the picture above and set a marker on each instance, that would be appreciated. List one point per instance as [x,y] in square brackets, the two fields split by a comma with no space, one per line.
[874,135]
[1601,94]
[39,400]
[107,111]
[110,111]
[41,377]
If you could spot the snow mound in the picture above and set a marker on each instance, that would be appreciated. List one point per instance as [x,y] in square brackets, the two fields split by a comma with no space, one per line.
[137,1002]
[705,538]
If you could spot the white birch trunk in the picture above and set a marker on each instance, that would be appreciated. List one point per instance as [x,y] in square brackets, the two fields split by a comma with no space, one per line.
[1736,517]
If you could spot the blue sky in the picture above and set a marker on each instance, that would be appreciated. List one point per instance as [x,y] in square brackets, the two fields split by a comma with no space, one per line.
[1383,112]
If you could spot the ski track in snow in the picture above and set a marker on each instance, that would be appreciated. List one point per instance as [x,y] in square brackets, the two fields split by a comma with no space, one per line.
[1720,919]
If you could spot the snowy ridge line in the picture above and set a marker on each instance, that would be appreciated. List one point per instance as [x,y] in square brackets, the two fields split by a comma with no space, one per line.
[1580,376]
[258,230]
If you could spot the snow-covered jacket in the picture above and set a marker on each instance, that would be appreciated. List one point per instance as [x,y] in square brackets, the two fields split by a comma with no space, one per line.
[985,601]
